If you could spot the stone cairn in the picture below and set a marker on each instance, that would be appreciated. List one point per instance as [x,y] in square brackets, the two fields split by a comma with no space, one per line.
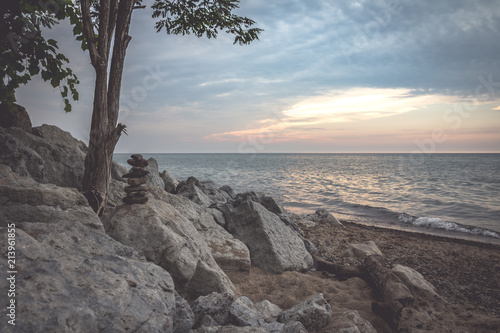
[136,193]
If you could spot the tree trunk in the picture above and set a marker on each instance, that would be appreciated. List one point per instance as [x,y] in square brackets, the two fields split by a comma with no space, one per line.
[104,131]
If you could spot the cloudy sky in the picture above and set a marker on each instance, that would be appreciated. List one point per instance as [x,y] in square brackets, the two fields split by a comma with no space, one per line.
[326,76]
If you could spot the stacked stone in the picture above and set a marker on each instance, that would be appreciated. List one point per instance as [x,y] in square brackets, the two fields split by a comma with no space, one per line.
[136,193]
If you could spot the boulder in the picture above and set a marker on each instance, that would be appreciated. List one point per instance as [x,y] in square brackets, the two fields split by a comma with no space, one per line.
[191,189]
[78,279]
[416,283]
[230,253]
[314,313]
[273,246]
[214,305]
[62,155]
[243,313]
[164,236]
[170,182]
[293,327]
[230,329]
[71,276]
[117,171]
[268,310]
[21,158]
[23,199]
[154,175]
[214,192]
[361,251]
[14,116]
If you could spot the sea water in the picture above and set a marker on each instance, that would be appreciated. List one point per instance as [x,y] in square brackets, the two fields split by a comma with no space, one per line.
[453,192]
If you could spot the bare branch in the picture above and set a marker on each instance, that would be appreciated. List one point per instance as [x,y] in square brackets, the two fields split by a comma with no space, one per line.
[88,31]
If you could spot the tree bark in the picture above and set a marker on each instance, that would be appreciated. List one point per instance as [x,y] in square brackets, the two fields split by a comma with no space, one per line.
[104,132]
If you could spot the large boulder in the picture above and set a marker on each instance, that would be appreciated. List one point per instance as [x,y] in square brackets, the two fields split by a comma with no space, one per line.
[154,178]
[71,276]
[170,182]
[49,154]
[21,158]
[191,189]
[274,247]
[14,116]
[23,199]
[230,253]
[164,236]
[416,283]
[314,313]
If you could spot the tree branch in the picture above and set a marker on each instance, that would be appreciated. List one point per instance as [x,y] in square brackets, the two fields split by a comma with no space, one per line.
[88,31]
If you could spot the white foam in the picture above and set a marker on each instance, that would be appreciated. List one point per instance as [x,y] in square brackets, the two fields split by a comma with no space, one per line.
[438,223]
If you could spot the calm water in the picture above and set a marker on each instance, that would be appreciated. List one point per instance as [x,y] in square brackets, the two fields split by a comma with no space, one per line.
[459,192]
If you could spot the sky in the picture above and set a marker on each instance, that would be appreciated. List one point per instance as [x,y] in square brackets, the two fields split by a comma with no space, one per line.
[325,76]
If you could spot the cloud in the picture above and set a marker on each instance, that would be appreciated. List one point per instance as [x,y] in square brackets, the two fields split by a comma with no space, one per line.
[333,107]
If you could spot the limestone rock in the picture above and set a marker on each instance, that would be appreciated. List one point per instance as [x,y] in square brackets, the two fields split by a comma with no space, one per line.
[231,329]
[268,310]
[73,276]
[293,327]
[416,283]
[230,253]
[361,251]
[273,246]
[77,279]
[117,171]
[169,181]
[21,158]
[154,174]
[243,313]
[15,116]
[23,199]
[191,189]
[313,314]
[215,305]
[164,236]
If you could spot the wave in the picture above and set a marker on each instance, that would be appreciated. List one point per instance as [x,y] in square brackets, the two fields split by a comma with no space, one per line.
[438,223]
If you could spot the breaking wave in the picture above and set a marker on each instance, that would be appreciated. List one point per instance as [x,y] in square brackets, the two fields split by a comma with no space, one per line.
[438,223]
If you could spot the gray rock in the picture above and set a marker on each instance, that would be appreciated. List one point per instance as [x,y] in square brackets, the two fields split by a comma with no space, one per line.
[71,276]
[164,236]
[154,178]
[14,116]
[183,316]
[213,191]
[361,251]
[231,329]
[77,279]
[170,182]
[351,322]
[268,310]
[191,189]
[116,192]
[21,158]
[229,253]
[63,156]
[228,189]
[243,313]
[23,199]
[268,202]
[273,246]
[416,283]
[326,216]
[215,305]
[117,171]
[314,314]
[293,327]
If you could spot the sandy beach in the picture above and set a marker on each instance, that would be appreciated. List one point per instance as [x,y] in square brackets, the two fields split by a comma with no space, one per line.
[464,273]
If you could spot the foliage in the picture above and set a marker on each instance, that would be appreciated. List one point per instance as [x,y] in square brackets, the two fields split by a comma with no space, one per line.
[204,17]
[24,52]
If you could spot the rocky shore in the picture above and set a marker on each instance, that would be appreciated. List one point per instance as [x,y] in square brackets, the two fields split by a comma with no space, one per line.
[197,257]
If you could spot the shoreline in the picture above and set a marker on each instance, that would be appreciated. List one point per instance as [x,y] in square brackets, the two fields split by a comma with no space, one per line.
[438,234]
